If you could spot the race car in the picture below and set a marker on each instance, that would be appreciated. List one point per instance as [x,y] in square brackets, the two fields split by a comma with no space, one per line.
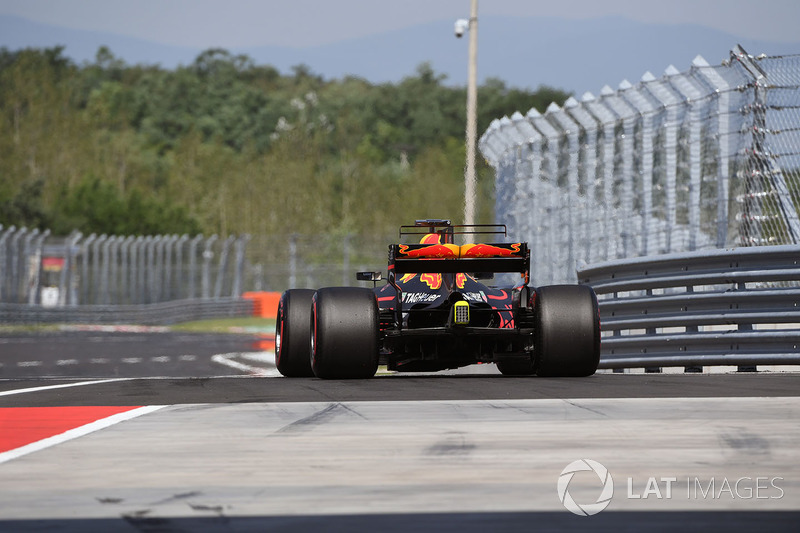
[435,313]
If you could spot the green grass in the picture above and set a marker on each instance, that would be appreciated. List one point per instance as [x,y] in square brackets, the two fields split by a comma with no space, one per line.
[228,325]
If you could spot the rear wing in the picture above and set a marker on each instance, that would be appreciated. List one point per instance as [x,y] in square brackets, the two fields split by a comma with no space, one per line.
[451,258]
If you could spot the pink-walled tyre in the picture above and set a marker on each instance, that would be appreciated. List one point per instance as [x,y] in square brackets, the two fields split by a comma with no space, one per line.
[293,334]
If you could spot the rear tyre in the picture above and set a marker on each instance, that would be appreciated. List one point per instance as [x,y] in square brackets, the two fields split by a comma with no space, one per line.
[344,333]
[567,324]
[293,334]
[516,367]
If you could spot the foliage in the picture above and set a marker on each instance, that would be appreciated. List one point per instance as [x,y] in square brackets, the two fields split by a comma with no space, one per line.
[226,146]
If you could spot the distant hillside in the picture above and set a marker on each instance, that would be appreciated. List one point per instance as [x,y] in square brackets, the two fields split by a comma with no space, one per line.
[575,55]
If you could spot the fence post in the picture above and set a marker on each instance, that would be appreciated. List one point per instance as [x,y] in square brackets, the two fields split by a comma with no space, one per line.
[85,283]
[208,255]
[150,259]
[114,271]
[223,266]
[646,108]
[570,132]
[293,261]
[720,89]
[26,266]
[16,259]
[552,256]
[684,86]
[238,280]
[65,292]
[137,275]
[3,261]
[673,105]
[579,114]
[628,116]
[34,294]
[608,124]
[179,245]
[193,265]
[521,196]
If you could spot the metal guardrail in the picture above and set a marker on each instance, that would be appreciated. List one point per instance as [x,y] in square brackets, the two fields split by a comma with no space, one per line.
[162,313]
[718,307]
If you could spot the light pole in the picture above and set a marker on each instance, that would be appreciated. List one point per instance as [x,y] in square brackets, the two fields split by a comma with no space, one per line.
[472,111]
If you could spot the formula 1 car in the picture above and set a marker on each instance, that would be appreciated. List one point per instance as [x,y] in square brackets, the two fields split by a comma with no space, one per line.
[435,314]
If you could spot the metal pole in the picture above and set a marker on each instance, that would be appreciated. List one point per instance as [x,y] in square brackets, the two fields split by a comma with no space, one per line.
[208,254]
[151,269]
[85,284]
[292,260]
[71,293]
[35,296]
[222,269]
[238,279]
[193,264]
[96,276]
[472,118]
[15,263]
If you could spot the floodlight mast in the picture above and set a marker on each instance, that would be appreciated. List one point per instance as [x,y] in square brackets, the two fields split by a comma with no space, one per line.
[472,117]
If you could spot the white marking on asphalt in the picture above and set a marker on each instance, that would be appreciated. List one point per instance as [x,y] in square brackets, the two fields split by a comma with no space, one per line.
[160,359]
[187,358]
[99,361]
[227,359]
[77,432]
[29,363]
[259,357]
[65,362]
[131,360]
[62,386]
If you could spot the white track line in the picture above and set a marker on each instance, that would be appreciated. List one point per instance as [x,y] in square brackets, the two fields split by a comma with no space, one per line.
[227,360]
[77,432]
[62,386]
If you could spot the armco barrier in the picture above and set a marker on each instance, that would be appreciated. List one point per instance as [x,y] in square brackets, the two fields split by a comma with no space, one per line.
[163,313]
[719,307]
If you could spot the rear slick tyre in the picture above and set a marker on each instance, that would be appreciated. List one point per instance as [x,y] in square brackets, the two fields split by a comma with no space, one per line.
[344,333]
[567,323]
[293,334]
[516,367]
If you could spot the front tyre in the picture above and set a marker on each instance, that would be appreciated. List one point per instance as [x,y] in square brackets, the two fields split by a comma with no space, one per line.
[344,340]
[567,325]
[293,334]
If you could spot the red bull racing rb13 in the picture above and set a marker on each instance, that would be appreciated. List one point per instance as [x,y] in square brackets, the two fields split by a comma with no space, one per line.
[435,313]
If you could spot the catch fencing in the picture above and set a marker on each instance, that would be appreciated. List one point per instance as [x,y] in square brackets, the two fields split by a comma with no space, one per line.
[36,269]
[39,269]
[693,160]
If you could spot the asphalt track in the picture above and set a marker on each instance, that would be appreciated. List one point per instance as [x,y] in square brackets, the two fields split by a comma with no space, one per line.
[476,452]
[245,389]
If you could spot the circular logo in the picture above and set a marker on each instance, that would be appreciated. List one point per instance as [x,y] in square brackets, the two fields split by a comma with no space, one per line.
[587,509]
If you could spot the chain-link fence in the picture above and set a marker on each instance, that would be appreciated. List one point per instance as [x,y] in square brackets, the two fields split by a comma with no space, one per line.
[706,158]
[38,269]
[112,270]
[279,262]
